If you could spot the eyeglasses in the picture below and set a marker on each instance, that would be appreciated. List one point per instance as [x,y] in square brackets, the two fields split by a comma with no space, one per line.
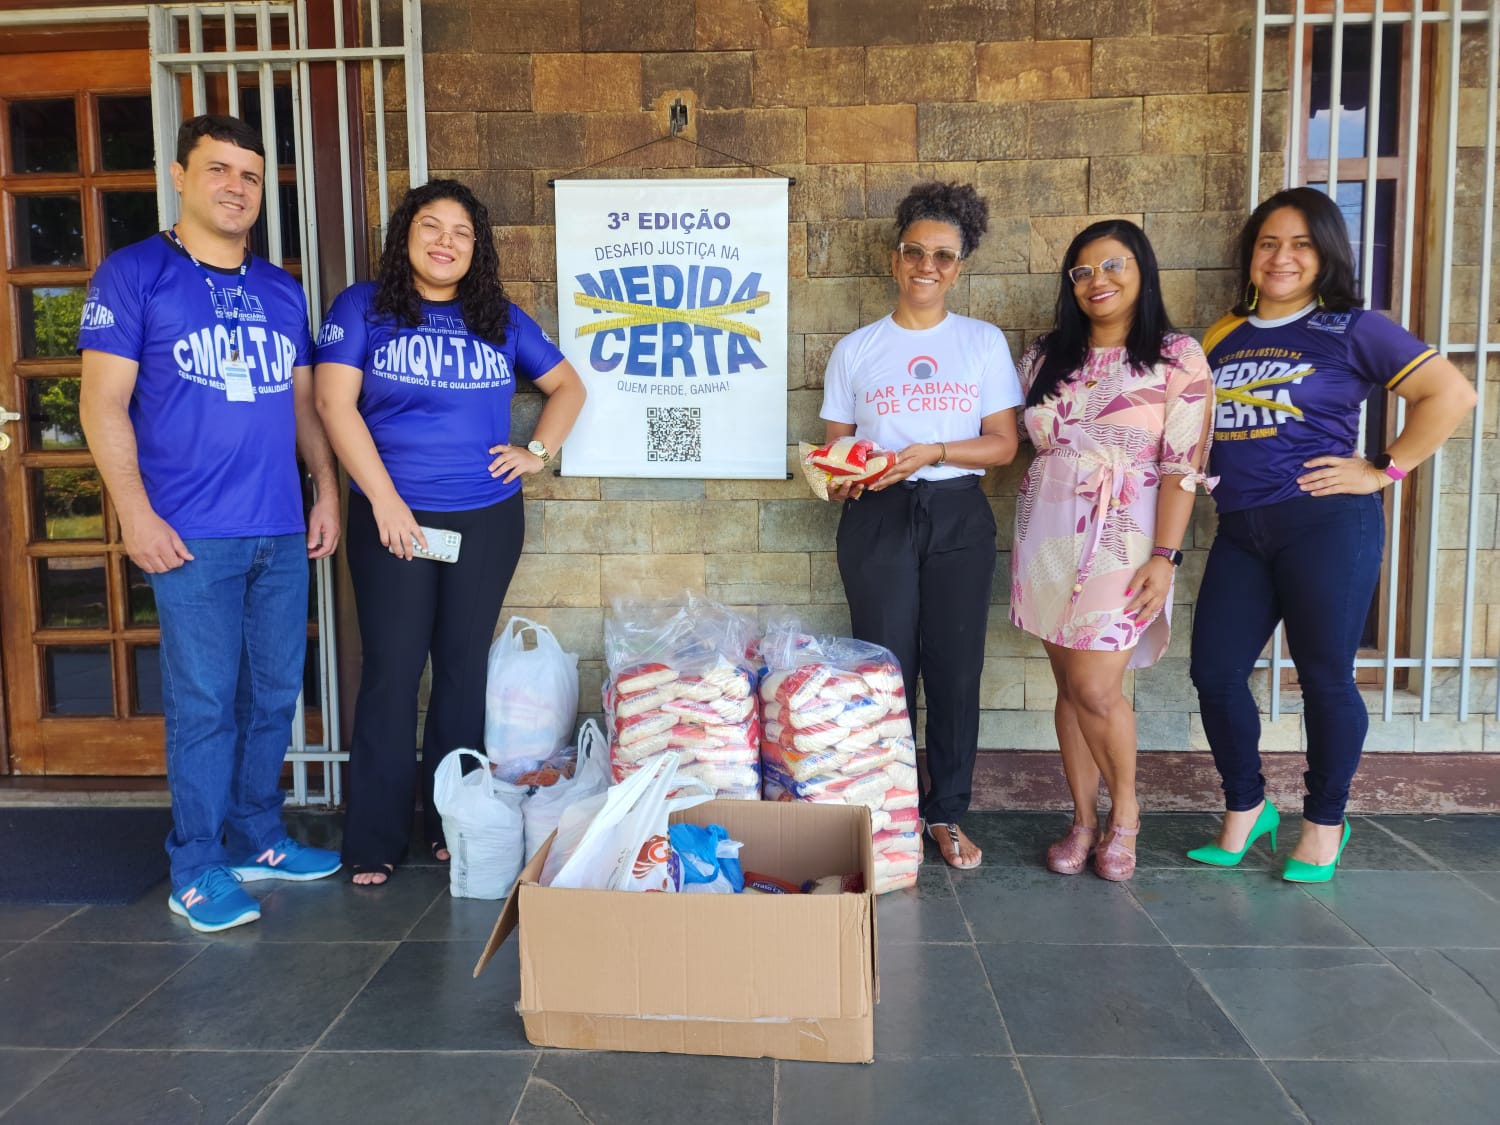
[1111,267]
[430,230]
[914,254]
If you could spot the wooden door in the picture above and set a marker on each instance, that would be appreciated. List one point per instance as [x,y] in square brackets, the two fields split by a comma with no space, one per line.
[78,632]
[77,620]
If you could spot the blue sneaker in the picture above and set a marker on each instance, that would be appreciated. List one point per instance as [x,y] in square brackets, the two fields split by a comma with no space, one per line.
[288,860]
[214,902]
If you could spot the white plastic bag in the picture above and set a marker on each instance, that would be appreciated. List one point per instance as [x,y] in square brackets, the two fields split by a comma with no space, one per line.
[483,827]
[544,806]
[530,695]
[571,826]
[625,846]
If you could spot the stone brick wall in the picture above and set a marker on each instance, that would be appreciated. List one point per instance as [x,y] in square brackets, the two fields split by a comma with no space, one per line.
[1061,111]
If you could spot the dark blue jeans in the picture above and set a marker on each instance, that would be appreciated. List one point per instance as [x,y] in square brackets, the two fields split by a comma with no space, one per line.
[1313,563]
[233,643]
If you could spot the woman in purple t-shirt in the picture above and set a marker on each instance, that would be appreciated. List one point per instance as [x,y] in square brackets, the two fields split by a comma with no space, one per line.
[416,372]
[1301,527]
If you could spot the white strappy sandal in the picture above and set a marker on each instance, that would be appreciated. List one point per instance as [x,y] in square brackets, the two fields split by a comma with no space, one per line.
[951,832]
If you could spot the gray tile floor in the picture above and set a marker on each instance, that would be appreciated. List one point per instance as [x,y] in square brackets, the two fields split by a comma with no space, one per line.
[1008,995]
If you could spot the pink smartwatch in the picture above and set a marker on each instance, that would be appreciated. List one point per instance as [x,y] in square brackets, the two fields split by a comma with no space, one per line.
[1389,467]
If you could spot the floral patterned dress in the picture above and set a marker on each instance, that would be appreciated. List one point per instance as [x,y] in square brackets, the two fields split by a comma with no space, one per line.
[1086,517]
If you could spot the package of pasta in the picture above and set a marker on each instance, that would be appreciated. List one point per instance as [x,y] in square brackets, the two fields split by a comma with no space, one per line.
[835,730]
[851,459]
[679,680]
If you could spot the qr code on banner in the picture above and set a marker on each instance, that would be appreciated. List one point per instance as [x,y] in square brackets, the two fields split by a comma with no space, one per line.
[674,433]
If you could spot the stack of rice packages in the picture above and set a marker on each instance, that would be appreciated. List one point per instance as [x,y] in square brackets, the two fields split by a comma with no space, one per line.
[837,730]
[679,680]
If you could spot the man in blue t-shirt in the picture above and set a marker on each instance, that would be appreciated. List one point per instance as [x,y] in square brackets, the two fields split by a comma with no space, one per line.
[197,396]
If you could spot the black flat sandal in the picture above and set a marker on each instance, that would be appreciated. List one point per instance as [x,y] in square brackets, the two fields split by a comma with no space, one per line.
[386,869]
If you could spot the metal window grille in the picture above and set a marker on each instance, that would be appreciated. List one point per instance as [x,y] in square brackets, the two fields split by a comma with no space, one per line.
[1443,38]
[240,50]
[236,51]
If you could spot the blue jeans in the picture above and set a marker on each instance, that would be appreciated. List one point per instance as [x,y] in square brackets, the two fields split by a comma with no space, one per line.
[1312,562]
[233,644]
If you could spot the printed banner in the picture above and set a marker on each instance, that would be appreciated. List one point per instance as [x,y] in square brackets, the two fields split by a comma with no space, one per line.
[671,300]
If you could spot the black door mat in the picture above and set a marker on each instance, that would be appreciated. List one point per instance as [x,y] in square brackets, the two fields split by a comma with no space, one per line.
[95,855]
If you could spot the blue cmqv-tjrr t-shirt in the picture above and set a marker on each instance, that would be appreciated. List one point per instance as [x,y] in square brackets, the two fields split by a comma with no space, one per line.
[212,468]
[435,397]
[1289,390]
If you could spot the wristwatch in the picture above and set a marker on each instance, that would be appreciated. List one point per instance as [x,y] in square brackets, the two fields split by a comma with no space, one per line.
[1171,554]
[1389,467]
[540,450]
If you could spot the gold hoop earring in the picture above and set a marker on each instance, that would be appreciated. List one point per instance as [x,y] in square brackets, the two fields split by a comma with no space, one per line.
[1320,300]
[1252,295]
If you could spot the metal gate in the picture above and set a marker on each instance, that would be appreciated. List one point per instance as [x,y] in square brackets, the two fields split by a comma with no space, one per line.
[239,58]
[261,61]
[1442,285]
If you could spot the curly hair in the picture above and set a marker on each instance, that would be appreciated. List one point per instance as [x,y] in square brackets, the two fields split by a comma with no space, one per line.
[1336,286]
[1066,347]
[486,308]
[958,205]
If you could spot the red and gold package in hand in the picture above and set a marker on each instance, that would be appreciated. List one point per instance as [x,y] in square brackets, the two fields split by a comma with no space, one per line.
[851,459]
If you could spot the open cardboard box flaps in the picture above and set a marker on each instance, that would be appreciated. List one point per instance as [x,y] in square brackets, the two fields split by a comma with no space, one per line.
[781,976]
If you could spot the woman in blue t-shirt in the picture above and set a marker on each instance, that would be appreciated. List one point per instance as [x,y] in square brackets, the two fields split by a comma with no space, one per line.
[1301,525]
[416,372]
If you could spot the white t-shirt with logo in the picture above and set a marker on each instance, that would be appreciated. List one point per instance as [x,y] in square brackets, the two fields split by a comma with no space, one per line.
[899,386]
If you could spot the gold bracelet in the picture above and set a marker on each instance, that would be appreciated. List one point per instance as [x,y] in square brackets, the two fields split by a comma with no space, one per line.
[943,456]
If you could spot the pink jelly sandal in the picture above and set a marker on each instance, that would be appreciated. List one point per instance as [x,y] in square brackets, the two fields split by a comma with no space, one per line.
[1069,855]
[1114,861]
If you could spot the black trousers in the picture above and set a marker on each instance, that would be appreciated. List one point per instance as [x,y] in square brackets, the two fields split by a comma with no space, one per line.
[406,611]
[918,561]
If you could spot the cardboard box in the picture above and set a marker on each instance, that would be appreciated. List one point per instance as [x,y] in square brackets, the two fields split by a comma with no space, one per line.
[778,976]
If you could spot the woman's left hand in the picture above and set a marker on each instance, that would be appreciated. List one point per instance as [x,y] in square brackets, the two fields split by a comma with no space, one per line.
[908,461]
[513,461]
[1150,589]
[1332,476]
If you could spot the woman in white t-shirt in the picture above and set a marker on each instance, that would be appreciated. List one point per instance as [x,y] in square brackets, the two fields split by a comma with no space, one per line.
[916,550]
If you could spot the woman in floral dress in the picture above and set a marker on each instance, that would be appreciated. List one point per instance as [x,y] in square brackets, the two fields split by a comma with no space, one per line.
[1118,407]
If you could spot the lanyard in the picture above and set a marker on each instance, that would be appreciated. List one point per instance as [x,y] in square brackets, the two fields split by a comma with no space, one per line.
[232,312]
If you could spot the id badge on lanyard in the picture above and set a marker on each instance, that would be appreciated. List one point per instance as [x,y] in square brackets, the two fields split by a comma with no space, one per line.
[235,370]
[237,384]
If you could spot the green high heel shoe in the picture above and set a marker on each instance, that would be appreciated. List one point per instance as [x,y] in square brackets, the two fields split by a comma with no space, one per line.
[1213,855]
[1296,871]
